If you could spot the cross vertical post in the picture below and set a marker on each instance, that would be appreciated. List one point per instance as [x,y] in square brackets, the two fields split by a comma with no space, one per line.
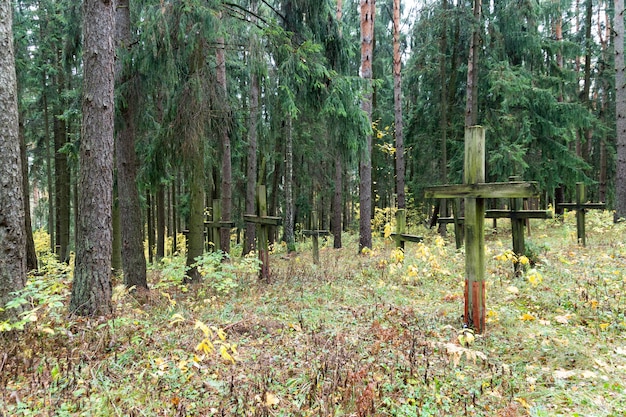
[474,173]
[581,208]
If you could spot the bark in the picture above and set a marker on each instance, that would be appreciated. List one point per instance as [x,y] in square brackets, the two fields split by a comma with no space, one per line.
[471,108]
[12,223]
[289,206]
[116,248]
[91,289]
[131,220]
[620,111]
[226,184]
[443,122]
[150,225]
[368,8]
[195,237]
[49,158]
[174,214]
[397,87]
[31,253]
[160,222]
[337,202]
[251,179]
[62,173]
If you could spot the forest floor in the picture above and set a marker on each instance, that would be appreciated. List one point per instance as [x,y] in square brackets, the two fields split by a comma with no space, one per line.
[374,334]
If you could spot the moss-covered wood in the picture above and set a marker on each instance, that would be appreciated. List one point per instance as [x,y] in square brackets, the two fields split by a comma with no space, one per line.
[581,206]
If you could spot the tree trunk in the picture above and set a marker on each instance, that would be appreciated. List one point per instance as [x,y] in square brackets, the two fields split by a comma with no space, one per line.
[62,172]
[289,206]
[226,192]
[195,237]
[397,87]
[31,254]
[116,245]
[131,219]
[91,289]
[443,121]
[160,222]
[49,158]
[620,111]
[12,233]
[337,202]
[251,176]
[174,214]
[471,108]
[368,8]
[150,225]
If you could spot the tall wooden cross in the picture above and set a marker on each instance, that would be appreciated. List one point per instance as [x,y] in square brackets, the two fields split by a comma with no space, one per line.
[475,190]
[263,223]
[315,232]
[581,206]
[214,226]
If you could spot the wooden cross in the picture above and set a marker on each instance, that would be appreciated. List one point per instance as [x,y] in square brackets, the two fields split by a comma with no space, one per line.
[315,233]
[214,225]
[263,222]
[475,191]
[581,206]
[400,236]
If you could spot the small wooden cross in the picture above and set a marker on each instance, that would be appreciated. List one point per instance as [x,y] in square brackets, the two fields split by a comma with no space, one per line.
[581,207]
[214,225]
[475,191]
[400,236]
[263,222]
[315,233]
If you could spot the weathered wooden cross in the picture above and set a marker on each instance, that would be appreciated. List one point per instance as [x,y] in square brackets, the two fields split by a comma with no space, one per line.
[581,206]
[400,236]
[315,233]
[474,190]
[263,222]
[214,226]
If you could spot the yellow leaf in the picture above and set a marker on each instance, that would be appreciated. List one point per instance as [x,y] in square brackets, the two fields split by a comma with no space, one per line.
[205,346]
[527,317]
[49,331]
[387,230]
[513,289]
[603,326]
[225,355]
[205,329]
[176,318]
[271,399]
[221,334]
[523,402]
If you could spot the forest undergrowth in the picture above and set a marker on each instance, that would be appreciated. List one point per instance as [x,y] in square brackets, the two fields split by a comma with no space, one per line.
[375,334]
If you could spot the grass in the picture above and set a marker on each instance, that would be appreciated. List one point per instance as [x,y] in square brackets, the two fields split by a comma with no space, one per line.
[357,335]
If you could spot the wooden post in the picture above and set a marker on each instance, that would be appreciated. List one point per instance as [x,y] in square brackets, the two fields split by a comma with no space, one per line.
[474,230]
[474,190]
[581,206]
[400,236]
[263,223]
[315,232]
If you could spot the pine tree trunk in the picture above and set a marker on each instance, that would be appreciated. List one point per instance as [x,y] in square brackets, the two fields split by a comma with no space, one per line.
[91,289]
[31,254]
[443,121]
[131,219]
[116,246]
[620,111]
[62,173]
[226,192]
[337,202]
[289,206]
[49,158]
[160,222]
[251,168]
[150,225]
[174,214]
[12,233]
[195,237]
[397,87]
[368,8]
